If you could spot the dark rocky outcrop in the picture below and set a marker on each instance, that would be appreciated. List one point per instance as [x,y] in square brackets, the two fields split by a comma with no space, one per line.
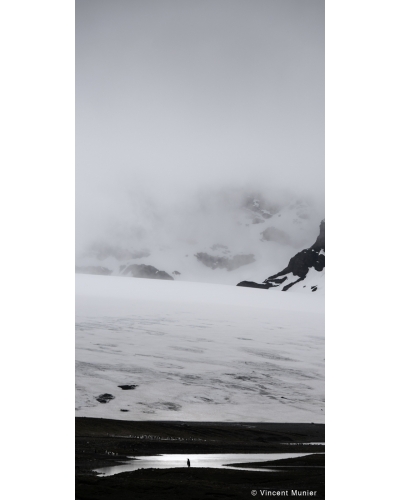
[229,263]
[299,265]
[105,398]
[320,242]
[277,235]
[260,207]
[252,284]
[93,270]
[127,387]
[144,271]
[304,260]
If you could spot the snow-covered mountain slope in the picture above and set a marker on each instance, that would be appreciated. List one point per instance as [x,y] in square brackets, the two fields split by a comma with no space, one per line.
[197,351]
[305,271]
[218,238]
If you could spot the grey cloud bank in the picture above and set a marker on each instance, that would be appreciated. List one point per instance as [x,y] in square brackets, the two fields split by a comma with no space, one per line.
[176,98]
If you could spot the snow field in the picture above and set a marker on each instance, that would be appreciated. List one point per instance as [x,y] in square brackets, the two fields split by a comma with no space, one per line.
[198,351]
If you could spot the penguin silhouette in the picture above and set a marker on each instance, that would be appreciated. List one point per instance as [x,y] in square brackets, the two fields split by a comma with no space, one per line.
[188,462]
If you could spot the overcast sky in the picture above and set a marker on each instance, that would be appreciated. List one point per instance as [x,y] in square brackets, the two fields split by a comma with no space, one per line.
[172,95]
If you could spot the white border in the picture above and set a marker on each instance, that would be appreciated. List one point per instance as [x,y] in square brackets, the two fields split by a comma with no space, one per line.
[37,204]
[362,133]
[37,207]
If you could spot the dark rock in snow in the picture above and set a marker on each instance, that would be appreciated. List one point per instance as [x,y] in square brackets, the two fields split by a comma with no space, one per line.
[278,281]
[252,284]
[299,265]
[93,270]
[304,260]
[105,398]
[176,273]
[259,206]
[320,242]
[127,387]
[144,271]
[274,234]
[291,284]
[229,263]
[272,283]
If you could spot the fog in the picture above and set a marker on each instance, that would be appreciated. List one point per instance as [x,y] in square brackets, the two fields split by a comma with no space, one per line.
[185,107]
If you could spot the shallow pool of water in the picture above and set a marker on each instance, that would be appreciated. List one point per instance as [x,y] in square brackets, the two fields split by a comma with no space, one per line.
[306,444]
[213,460]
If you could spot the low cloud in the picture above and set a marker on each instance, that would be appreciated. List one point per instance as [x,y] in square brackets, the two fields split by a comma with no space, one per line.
[184,108]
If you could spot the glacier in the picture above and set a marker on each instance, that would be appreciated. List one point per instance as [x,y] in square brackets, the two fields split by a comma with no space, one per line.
[197,351]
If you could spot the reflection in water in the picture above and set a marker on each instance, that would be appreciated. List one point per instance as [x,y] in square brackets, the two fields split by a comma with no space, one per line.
[306,444]
[212,460]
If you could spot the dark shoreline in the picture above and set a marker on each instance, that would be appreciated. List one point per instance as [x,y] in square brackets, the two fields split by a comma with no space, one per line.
[124,438]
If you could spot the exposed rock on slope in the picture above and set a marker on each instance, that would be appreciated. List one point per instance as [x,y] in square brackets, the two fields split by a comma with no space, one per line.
[143,271]
[274,234]
[206,236]
[224,262]
[258,205]
[301,266]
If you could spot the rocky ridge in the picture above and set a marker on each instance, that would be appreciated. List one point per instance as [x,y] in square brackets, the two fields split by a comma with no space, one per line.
[227,238]
[302,266]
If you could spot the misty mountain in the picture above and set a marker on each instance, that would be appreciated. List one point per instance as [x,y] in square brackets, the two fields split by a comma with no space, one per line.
[221,236]
[305,269]
[194,120]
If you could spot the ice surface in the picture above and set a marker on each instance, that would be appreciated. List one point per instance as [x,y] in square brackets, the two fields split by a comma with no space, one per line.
[198,351]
